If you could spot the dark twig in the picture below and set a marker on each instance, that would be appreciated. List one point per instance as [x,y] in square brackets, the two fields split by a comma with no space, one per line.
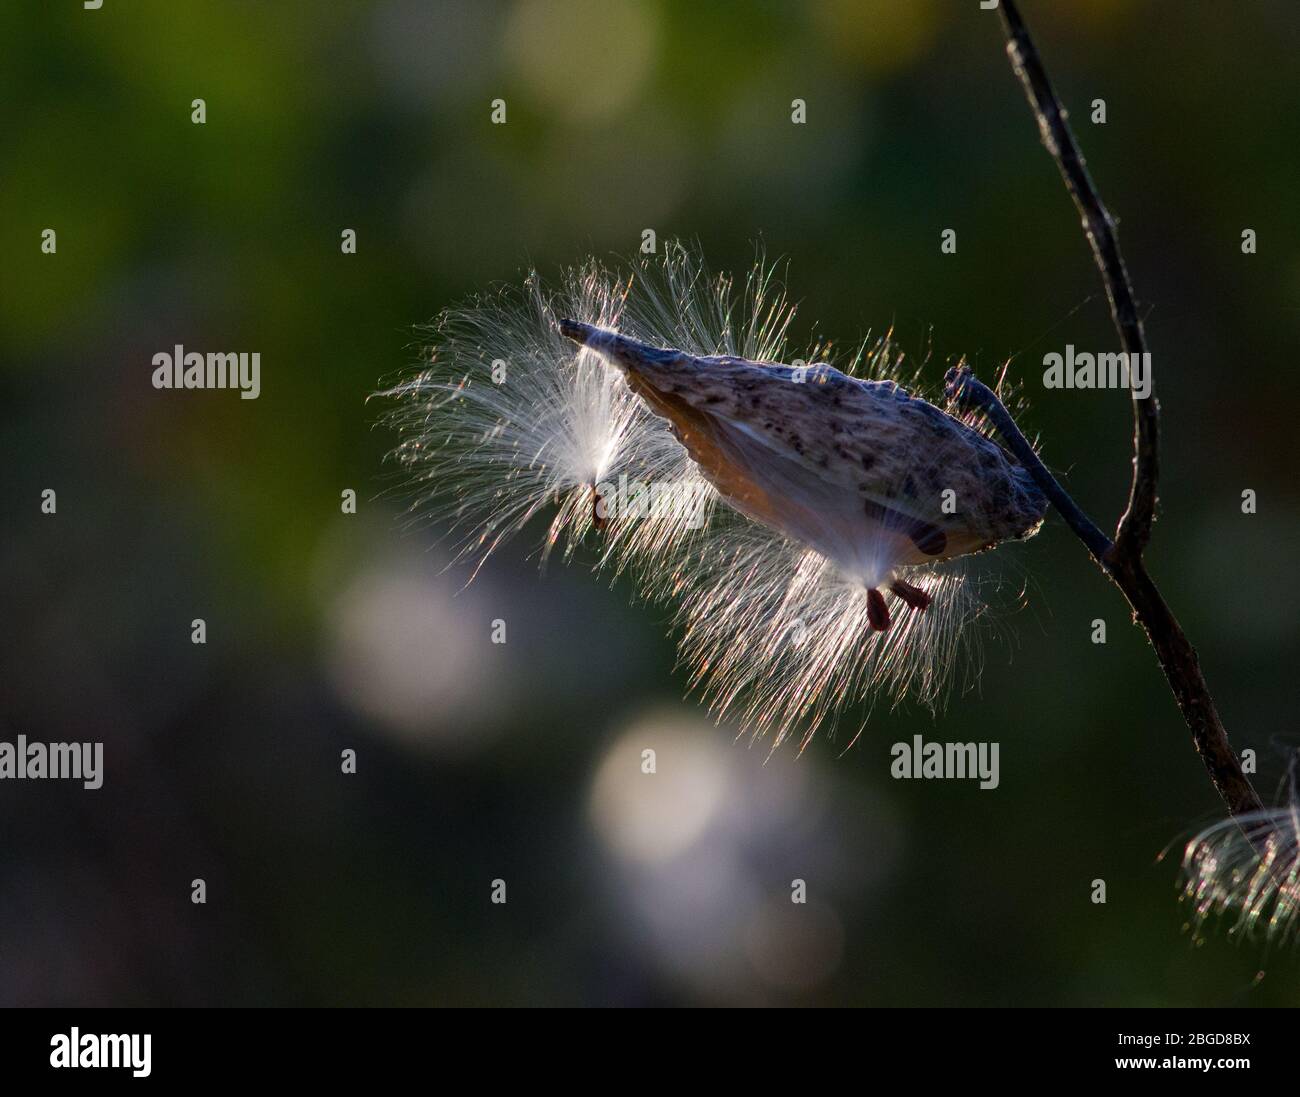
[1134,529]
[1122,559]
[972,394]
[1176,655]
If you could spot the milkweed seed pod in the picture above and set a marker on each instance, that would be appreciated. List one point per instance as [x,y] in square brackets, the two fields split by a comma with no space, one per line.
[817,562]
[863,472]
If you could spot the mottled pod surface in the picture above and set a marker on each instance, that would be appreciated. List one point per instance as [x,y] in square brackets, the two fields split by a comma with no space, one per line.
[863,471]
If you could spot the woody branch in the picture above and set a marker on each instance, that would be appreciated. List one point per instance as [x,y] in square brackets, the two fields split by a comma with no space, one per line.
[1120,558]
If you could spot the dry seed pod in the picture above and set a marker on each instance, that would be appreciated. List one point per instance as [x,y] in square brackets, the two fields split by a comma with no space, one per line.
[843,590]
[863,472]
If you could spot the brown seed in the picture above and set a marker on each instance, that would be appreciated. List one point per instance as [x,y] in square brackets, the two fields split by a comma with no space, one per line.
[877,611]
[913,596]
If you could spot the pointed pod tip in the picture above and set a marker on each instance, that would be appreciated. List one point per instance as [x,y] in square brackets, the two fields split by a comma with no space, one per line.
[576,330]
[619,349]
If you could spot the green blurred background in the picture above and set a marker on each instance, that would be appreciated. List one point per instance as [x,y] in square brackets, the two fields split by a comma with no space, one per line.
[520,762]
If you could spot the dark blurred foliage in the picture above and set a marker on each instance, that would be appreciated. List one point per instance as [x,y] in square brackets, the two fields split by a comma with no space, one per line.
[478,762]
